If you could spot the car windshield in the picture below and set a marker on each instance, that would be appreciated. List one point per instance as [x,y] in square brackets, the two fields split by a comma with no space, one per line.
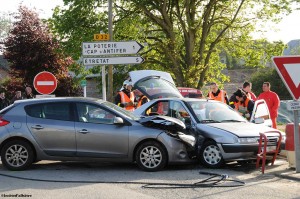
[121,111]
[212,112]
[156,87]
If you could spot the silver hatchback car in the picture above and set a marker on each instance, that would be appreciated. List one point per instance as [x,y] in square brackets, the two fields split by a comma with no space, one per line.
[84,129]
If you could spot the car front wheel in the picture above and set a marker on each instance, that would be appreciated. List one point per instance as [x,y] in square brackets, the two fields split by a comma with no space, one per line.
[151,156]
[17,155]
[210,155]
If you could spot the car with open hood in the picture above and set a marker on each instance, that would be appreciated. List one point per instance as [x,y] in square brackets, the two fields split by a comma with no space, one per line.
[85,129]
[222,135]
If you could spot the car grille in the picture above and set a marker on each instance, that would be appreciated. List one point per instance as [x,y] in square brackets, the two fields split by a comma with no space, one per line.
[271,141]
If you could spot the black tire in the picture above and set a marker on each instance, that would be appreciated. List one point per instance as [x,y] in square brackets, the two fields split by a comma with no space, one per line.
[17,155]
[210,155]
[151,156]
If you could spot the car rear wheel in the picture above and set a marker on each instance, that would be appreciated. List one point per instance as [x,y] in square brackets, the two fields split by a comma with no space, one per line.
[210,155]
[17,155]
[151,156]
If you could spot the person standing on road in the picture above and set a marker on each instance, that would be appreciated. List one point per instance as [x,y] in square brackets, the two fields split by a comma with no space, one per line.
[3,101]
[28,93]
[125,97]
[217,94]
[272,101]
[247,86]
[18,96]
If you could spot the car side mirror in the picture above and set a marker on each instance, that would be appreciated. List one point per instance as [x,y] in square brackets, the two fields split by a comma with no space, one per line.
[118,120]
[259,120]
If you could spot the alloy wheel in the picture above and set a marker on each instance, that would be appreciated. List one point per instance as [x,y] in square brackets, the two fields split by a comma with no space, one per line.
[16,155]
[151,157]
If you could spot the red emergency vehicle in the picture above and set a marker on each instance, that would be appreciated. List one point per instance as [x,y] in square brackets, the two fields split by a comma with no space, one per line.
[190,92]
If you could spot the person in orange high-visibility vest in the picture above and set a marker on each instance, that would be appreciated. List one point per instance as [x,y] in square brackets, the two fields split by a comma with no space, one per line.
[140,98]
[217,94]
[125,97]
[247,88]
[244,104]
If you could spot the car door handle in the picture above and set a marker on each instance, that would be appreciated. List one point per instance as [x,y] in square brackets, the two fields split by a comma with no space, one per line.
[84,131]
[37,127]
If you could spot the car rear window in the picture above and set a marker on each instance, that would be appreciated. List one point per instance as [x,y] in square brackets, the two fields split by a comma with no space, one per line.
[54,111]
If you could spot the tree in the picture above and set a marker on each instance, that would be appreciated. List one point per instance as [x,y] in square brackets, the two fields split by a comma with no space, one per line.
[184,37]
[269,75]
[30,49]
[257,53]
[5,25]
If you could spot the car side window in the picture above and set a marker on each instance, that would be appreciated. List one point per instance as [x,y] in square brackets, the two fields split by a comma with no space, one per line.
[93,114]
[159,108]
[177,111]
[54,111]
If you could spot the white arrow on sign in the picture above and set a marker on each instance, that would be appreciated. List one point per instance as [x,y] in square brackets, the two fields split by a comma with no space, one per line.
[110,48]
[112,60]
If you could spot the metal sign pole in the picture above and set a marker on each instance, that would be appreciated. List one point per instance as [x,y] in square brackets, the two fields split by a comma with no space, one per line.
[84,91]
[110,67]
[103,84]
[296,141]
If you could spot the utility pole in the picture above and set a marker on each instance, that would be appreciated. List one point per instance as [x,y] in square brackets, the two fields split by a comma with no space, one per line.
[110,67]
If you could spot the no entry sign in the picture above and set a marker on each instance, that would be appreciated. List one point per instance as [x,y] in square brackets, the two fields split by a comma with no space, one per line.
[45,83]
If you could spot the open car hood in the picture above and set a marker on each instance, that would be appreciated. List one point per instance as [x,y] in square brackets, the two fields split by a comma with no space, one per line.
[163,122]
[154,84]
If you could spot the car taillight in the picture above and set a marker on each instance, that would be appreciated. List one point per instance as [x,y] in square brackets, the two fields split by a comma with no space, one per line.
[3,122]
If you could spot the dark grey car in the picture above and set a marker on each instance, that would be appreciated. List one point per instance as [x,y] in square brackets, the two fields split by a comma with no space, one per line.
[222,134]
[87,129]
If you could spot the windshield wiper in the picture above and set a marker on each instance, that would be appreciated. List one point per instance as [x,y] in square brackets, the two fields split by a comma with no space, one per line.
[209,121]
[232,121]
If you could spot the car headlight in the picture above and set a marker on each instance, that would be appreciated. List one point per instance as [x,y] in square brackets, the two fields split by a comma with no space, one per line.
[283,138]
[187,139]
[247,140]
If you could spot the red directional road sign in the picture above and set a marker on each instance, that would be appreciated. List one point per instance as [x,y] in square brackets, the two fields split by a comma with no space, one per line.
[45,83]
[288,68]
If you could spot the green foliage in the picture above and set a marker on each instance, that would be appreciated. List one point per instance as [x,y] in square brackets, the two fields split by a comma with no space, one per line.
[269,75]
[30,49]
[183,37]
[5,25]
[256,53]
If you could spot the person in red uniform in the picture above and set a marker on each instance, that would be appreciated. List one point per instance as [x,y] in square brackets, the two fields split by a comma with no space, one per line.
[217,94]
[272,101]
[125,97]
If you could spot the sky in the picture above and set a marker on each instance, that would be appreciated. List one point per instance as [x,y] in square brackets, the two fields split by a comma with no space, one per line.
[288,29]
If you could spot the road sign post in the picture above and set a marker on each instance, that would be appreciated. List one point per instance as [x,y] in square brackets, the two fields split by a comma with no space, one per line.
[288,68]
[95,61]
[101,37]
[45,83]
[110,48]
[83,85]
